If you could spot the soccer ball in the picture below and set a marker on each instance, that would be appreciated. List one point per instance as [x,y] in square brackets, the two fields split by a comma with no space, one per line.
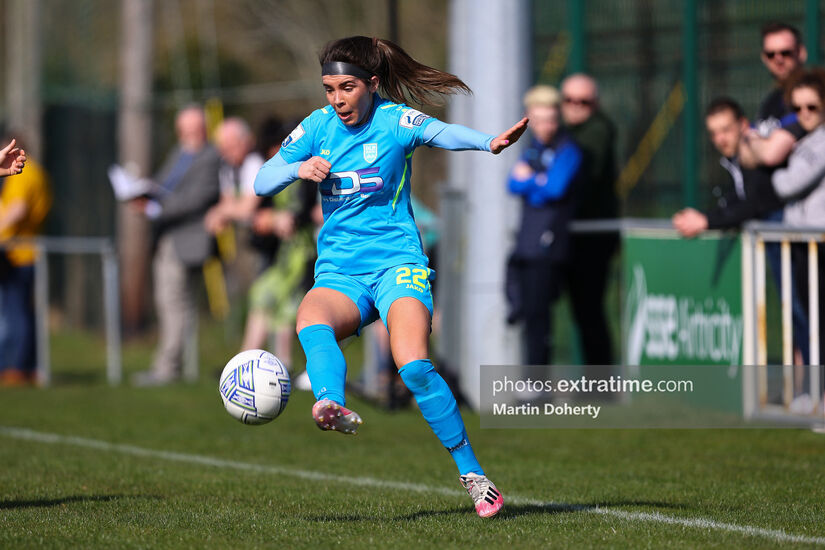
[255,387]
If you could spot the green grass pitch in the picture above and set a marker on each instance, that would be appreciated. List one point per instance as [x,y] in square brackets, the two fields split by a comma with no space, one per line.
[83,465]
[287,484]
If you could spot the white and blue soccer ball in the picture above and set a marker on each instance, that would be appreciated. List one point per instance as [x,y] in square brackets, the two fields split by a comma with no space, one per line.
[255,387]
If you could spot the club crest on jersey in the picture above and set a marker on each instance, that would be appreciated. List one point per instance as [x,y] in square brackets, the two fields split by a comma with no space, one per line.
[411,118]
[370,152]
[294,136]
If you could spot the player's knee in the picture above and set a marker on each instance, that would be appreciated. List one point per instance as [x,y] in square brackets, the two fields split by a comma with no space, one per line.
[409,355]
[417,373]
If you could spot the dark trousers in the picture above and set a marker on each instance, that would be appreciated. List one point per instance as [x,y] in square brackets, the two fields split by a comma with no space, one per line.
[17,291]
[532,289]
[587,276]
[799,254]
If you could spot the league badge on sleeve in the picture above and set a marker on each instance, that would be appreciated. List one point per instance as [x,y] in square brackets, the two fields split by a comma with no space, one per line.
[370,152]
[412,118]
[294,136]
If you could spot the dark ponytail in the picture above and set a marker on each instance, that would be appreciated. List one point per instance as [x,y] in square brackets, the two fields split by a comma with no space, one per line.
[401,78]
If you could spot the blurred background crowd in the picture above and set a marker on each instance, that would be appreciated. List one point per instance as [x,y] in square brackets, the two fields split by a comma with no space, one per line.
[194,95]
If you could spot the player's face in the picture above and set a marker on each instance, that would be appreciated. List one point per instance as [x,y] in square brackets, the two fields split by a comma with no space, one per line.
[351,97]
[781,54]
[544,122]
[725,132]
[807,105]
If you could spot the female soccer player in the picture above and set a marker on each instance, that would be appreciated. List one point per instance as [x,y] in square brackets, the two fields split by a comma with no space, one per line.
[370,260]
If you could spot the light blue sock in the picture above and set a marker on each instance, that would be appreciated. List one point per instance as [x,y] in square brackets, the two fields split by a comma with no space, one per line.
[440,410]
[326,366]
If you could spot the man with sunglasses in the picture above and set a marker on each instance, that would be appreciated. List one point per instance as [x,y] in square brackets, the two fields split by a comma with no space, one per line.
[591,254]
[776,129]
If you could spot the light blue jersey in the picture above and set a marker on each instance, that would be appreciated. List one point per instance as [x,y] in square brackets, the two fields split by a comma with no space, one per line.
[368,219]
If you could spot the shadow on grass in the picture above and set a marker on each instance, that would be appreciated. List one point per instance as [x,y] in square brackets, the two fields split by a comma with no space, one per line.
[518,510]
[49,502]
[510,511]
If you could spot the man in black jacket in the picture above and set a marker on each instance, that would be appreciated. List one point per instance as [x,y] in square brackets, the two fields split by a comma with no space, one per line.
[752,197]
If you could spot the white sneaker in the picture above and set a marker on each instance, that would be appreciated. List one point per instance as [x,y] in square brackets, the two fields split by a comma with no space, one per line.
[488,500]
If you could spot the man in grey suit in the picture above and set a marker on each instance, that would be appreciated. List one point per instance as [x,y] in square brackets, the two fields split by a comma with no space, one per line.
[186,187]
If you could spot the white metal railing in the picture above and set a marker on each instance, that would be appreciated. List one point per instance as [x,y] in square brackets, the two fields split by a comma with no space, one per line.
[100,246]
[755,235]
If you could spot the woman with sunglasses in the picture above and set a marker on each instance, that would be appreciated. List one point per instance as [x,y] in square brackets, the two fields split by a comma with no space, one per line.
[370,259]
[802,182]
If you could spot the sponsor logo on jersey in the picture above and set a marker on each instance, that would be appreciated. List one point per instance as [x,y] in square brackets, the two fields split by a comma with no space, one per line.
[411,118]
[294,136]
[365,180]
[370,152]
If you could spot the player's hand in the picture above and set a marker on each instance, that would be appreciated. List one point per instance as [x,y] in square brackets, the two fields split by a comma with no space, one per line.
[315,169]
[12,159]
[509,137]
[689,222]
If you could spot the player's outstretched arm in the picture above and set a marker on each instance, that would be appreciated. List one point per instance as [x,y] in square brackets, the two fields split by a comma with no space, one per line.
[508,137]
[12,159]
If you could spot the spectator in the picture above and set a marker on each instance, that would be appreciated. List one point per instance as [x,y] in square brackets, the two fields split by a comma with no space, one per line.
[290,217]
[591,255]
[544,179]
[771,140]
[802,181]
[776,129]
[231,219]
[25,201]
[186,187]
[12,159]
[752,197]
[240,165]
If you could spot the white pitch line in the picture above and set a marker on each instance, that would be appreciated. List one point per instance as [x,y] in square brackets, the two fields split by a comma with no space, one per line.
[652,517]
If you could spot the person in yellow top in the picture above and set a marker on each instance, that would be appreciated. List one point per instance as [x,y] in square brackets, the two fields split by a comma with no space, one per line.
[25,200]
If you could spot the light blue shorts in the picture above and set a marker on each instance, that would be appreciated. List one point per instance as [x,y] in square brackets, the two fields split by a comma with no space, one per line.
[374,293]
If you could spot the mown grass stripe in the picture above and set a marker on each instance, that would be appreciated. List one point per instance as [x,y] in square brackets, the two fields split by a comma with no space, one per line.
[652,517]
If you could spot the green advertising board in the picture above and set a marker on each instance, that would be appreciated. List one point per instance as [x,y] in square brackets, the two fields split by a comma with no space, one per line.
[683,306]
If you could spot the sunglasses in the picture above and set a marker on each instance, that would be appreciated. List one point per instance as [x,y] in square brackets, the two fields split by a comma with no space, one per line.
[810,108]
[782,53]
[578,101]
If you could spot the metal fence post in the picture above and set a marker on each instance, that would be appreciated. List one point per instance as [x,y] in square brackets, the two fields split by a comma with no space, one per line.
[787,324]
[41,304]
[749,391]
[111,313]
[761,321]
